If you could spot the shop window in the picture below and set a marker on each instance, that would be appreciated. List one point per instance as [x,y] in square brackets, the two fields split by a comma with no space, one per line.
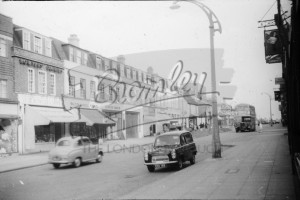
[3,88]
[3,48]
[42,134]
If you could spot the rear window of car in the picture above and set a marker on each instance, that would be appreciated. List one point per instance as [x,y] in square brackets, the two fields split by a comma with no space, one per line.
[167,140]
[64,143]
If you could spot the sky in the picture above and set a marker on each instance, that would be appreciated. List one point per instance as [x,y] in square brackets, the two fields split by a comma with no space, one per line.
[112,28]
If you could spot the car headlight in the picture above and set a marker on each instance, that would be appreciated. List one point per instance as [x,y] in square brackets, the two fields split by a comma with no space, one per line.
[173,154]
[146,156]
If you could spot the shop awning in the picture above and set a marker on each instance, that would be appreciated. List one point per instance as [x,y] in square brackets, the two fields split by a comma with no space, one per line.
[47,115]
[5,116]
[92,116]
[192,100]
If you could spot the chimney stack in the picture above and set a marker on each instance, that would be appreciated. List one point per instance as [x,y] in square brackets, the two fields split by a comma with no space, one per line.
[121,59]
[74,40]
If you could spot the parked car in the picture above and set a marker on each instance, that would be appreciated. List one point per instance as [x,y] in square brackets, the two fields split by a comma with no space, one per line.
[74,150]
[171,149]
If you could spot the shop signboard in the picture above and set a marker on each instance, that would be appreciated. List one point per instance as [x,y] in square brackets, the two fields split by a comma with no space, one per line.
[273,46]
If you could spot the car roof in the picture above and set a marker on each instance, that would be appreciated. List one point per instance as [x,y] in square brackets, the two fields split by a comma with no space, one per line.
[174,133]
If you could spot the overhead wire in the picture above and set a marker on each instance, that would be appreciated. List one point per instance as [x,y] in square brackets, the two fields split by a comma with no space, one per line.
[268,11]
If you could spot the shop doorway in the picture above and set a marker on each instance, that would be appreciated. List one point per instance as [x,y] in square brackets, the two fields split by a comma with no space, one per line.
[132,124]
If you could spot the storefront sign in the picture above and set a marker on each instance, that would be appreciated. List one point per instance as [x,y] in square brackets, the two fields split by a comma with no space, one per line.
[273,46]
[30,63]
[39,65]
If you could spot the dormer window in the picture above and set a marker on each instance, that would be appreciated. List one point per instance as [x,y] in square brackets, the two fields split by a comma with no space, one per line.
[48,47]
[78,57]
[26,40]
[85,59]
[37,45]
[72,58]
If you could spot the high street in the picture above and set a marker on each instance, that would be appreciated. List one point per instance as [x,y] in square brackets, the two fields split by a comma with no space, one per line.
[254,165]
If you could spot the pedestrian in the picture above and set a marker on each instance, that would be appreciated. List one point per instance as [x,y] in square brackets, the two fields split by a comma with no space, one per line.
[260,127]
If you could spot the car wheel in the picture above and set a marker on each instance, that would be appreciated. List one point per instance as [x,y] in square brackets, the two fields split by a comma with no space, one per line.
[151,168]
[77,162]
[99,158]
[56,165]
[179,164]
[193,160]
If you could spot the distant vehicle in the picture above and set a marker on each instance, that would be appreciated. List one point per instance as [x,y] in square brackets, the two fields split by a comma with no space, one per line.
[245,118]
[171,126]
[74,150]
[171,149]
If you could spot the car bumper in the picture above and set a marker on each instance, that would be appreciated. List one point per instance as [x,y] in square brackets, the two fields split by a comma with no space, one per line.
[161,163]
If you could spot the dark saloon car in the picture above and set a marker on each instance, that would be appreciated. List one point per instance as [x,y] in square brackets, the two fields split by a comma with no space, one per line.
[171,149]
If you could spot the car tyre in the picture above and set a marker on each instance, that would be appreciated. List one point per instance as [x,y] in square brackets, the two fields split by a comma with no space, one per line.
[193,159]
[99,158]
[56,165]
[77,162]
[179,164]
[151,168]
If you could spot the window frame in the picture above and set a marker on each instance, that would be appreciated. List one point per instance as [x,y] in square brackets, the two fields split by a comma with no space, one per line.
[92,90]
[26,40]
[3,93]
[48,47]
[72,86]
[78,56]
[83,88]
[37,46]
[29,81]
[45,83]
[54,84]
[3,47]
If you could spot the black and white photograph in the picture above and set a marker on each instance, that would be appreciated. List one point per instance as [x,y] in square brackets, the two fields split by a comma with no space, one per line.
[183,99]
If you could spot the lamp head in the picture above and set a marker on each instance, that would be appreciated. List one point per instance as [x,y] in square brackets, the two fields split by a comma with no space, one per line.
[175,5]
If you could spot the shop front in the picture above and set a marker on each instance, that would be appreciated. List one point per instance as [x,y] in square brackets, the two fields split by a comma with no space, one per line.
[9,122]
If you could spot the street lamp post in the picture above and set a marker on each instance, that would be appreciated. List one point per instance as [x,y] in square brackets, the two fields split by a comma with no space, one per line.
[216,143]
[271,121]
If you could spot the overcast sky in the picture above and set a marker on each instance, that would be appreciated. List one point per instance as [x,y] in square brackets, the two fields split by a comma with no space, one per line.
[112,28]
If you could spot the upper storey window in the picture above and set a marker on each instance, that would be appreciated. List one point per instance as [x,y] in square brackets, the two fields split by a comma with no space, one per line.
[2,47]
[78,57]
[37,44]
[48,47]
[72,58]
[26,40]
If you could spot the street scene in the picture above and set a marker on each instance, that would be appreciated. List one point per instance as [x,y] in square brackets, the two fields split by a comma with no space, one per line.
[149,100]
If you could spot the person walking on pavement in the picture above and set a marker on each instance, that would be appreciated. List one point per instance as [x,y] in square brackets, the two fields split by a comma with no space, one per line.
[260,127]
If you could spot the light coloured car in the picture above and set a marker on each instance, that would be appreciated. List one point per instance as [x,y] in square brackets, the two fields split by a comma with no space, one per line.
[74,150]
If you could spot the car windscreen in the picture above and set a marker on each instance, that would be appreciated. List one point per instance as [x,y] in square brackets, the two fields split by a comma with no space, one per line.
[166,140]
[64,143]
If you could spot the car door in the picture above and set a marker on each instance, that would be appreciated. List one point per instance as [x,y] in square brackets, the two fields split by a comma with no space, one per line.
[87,149]
[93,149]
[183,148]
[191,147]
